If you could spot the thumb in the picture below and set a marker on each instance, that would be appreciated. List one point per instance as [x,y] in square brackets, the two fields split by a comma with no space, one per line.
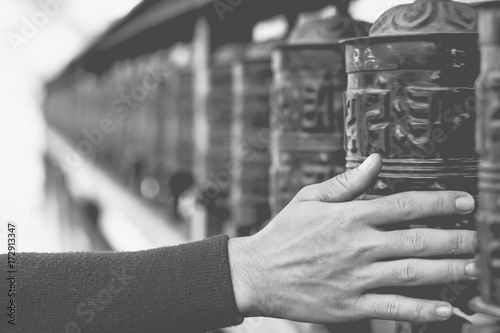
[345,187]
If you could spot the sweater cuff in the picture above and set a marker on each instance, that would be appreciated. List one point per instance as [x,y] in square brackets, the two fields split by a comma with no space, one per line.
[209,293]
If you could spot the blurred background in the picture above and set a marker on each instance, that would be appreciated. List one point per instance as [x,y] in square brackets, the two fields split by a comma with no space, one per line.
[26,68]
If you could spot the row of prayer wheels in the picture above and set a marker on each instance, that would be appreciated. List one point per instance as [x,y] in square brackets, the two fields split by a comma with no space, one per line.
[134,121]
[285,114]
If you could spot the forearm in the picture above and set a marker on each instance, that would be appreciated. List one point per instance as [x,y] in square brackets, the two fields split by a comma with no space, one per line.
[179,289]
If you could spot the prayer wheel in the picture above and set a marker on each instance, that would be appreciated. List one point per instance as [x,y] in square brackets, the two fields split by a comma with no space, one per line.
[149,94]
[217,182]
[176,128]
[488,146]
[168,113]
[168,126]
[185,109]
[252,79]
[114,83]
[180,77]
[145,94]
[410,98]
[306,117]
[103,122]
[119,115]
[183,177]
[128,108]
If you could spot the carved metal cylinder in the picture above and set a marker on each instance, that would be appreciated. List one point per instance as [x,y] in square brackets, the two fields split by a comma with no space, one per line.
[306,117]
[488,146]
[410,98]
[252,78]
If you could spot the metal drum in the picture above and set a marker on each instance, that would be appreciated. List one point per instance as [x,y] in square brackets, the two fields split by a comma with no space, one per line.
[217,176]
[306,117]
[252,79]
[411,99]
[488,145]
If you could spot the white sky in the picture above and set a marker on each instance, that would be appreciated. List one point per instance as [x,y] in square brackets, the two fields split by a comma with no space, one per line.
[72,25]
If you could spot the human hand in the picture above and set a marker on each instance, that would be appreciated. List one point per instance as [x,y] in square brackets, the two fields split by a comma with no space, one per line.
[320,258]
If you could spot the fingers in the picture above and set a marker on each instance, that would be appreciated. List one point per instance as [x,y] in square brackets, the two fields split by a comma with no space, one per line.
[421,243]
[420,272]
[411,206]
[346,186]
[400,308]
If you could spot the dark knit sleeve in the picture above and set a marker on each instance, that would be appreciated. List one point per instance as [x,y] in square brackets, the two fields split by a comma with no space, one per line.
[186,288]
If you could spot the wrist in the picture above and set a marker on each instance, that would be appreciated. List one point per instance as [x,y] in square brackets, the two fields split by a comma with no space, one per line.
[245,274]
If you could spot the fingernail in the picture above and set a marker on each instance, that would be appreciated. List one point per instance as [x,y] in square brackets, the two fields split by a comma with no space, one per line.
[465,204]
[472,270]
[366,164]
[444,311]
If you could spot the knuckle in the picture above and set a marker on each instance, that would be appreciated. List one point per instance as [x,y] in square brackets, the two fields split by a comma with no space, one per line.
[419,313]
[404,205]
[344,303]
[389,310]
[408,274]
[417,243]
[440,203]
[458,245]
[450,273]
[343,181]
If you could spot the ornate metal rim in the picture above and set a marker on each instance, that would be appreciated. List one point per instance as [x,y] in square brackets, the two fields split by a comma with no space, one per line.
[438,36]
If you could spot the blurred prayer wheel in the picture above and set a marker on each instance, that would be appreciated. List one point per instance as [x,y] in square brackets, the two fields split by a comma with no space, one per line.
[181,73]
[118,84]
[306,117]
[252,79]
[488,146]
[129,113]
[185,117]
[145,94]
[176,144]
[410,98]
[167,114]
[220,117]
[106,125]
